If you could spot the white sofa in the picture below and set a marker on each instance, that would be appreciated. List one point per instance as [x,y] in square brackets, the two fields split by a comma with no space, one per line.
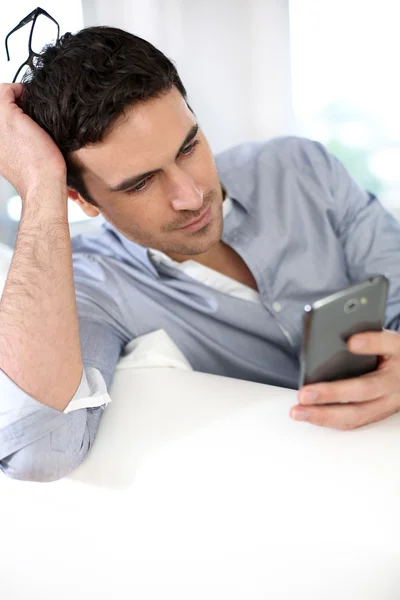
[202,487]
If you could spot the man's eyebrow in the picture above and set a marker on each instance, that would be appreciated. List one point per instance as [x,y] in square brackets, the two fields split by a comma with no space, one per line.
[130,182]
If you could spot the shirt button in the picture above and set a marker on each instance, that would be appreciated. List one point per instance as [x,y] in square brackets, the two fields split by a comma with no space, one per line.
[277,307]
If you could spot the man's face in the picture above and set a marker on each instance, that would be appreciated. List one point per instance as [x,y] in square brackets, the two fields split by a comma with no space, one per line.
[160,138]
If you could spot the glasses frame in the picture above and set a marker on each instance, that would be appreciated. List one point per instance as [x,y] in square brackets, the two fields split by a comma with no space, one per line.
[32,17]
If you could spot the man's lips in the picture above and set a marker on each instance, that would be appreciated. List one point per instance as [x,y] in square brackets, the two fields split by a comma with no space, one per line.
[198,220]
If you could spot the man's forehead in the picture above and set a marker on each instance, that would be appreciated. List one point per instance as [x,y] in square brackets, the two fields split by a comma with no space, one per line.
[143,139]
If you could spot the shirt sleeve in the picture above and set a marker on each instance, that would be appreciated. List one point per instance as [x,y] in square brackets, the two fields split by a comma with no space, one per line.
[24,422]
[38,442]
[369,234]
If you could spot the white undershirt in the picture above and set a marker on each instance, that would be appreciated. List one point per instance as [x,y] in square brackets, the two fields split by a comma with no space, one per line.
[209,276]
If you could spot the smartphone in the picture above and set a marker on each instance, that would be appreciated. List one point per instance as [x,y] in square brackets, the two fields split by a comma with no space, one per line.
[330,321]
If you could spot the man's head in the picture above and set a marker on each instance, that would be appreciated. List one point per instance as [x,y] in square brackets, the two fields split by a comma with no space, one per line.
[118,111]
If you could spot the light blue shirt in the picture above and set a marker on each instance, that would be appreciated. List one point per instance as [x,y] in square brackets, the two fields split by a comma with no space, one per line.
[303,227]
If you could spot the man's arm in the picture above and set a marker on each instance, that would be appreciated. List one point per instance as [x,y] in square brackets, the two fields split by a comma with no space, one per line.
[39,332]
[370,239]
[41,367]
[369,234]
[40,443]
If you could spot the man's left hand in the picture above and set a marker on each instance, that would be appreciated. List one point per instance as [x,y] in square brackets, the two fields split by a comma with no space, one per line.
[351,403]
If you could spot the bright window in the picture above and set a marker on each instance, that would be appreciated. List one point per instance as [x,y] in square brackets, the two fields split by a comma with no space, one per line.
[346,90]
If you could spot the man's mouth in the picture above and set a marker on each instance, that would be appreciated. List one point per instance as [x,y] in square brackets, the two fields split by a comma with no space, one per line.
[199,222]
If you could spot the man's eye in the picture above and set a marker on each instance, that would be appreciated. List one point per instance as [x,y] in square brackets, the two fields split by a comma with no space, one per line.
[189,149]
[140,187]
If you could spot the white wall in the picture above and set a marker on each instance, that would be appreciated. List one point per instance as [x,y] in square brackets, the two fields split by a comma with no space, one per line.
[232,55]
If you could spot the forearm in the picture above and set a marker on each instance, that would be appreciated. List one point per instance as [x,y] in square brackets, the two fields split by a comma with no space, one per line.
[39,331]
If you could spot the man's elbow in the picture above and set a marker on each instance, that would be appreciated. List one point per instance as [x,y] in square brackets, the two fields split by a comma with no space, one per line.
[54,456]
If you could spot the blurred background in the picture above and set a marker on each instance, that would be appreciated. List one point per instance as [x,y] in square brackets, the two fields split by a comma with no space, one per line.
[255,69]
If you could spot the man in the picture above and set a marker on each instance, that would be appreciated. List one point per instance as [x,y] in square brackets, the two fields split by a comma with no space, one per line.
[107,112]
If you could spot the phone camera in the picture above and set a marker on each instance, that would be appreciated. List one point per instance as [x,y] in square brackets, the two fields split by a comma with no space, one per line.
[351,305]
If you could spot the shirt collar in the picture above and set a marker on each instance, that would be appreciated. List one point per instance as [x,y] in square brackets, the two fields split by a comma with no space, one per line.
[238,171]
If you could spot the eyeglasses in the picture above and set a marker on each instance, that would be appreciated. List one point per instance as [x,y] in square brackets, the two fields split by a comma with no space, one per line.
[34,38]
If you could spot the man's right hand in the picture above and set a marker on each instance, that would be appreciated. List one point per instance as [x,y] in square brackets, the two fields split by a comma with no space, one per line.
[28,155]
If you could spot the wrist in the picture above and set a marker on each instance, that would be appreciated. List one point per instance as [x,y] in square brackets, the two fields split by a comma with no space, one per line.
[46,197]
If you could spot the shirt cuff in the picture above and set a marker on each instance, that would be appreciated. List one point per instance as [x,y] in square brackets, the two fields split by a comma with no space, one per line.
[91,393]
[24,420]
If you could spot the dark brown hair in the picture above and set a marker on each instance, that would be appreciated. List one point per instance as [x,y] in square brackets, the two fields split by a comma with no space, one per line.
[81,85]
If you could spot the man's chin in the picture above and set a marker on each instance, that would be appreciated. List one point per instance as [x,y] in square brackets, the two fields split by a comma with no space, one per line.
[196,247]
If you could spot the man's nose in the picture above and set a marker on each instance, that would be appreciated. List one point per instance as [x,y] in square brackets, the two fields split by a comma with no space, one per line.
[184,193]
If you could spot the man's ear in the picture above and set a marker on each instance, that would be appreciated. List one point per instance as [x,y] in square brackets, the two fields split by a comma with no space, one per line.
[88,209]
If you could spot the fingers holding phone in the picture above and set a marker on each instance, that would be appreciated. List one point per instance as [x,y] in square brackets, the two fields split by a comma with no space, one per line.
[350,372]
[331,321]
